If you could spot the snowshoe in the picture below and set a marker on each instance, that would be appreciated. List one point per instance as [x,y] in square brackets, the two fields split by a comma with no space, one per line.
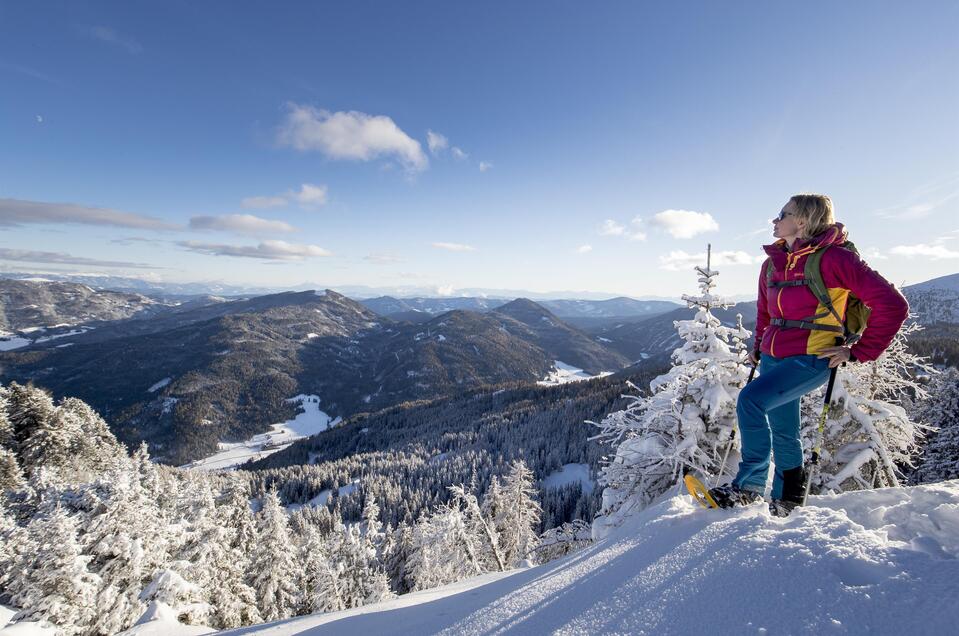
[782,507]
[731,495]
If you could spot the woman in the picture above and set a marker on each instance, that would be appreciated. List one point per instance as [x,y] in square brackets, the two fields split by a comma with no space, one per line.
[797,345]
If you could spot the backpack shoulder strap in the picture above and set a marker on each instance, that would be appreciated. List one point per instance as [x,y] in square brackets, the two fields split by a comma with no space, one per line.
[813,275]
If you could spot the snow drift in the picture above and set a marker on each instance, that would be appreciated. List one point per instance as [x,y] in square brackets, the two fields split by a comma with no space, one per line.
[883,561]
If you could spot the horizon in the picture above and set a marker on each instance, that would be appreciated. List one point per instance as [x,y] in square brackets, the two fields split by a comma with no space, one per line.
[535,148]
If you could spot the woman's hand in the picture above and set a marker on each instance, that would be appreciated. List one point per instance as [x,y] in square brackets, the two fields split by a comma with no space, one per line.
[836,355]
[754,358]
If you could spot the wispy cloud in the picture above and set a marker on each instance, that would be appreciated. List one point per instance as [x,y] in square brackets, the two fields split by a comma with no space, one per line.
[584,249]
[684,224]
[350,135]
[29,72]
[611,228]
[679,260]
[485,166]
[266,250]
[458,153]
[436,142]
[14,212]
[263,202]
[110,36]
[31,256]
[936,251]
[383,258]
[614,228]
[454,247]
[924,200]
[240,223]
[309,196]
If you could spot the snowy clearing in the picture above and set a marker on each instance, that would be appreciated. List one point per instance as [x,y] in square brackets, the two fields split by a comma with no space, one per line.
[883,562]
[563,373]
[309,422]
[569,474]
[10,341]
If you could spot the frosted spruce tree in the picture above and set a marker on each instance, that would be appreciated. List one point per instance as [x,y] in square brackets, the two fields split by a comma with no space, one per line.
[686,421]
[870,437]
[940,457]
[275,567]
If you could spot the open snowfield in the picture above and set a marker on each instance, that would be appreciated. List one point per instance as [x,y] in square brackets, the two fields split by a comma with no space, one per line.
[568,474]
[877,562]
[563,373]
[309,422]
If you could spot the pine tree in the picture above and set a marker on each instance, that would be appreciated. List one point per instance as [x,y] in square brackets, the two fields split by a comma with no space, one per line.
[185,599]
[11,477]
[444,550]
[28,409]
[686,423]
[275,572]
[871,434]
[58,588]
[521,515]
[940,411]
[396,554]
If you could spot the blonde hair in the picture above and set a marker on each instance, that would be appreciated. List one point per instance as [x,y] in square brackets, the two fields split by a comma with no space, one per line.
[816,210]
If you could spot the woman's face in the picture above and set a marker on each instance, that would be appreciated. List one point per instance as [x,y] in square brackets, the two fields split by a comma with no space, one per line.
[786,225]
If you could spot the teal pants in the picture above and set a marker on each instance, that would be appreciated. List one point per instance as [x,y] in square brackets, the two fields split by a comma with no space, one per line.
[768,414]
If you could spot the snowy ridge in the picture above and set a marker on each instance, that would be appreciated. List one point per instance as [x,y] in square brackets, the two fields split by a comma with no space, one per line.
[883,561]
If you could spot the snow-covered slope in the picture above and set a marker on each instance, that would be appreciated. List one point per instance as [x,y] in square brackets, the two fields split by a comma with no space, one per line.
[878,562]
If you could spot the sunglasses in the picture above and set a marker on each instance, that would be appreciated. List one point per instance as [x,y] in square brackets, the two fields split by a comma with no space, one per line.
[782,215]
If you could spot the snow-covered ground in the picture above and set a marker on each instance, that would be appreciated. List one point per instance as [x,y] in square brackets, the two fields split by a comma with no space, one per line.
[568,474]
[563,373]
[309,422]
[875,562]
[10,341]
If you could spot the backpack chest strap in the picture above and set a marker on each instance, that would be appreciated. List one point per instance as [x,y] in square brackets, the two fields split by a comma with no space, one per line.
[805,324]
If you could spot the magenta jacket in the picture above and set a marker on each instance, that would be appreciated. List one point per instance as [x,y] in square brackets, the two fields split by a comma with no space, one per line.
[843,272]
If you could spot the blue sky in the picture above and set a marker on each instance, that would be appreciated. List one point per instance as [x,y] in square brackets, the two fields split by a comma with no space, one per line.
[584,146]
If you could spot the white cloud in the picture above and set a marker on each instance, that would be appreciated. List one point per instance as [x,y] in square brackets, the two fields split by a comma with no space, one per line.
[684,224]
[39,119]
[611,228]
[110,36]
[874,254]
[437,143]
[924,200]
[15,212]
[350,135]
[383,258]
[614,228]
[241,223]
[445,290]
[458,153]
[584,249]
[485,165]
[678,260]
[263,202]
[266,250]
[310,196]
[454,247]
[30,256]
[936,252]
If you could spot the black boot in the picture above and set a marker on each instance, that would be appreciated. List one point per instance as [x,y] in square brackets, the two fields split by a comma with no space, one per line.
[794,488]
[730,495]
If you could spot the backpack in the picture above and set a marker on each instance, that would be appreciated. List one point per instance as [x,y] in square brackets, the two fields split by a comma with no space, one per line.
[857,314]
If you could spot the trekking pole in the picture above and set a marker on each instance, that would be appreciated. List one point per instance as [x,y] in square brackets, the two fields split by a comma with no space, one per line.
[817,447]
[732,438]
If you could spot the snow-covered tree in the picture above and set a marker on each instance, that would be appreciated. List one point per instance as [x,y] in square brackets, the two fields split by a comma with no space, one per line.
[519,519]
[127,542]
[686,422]
[57,587]
[321,576]
[444,551]
[940,457]
[28,409]
[564,539]
[869,435]
[397,549]
[275,568]
[11,477]
[185,599]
